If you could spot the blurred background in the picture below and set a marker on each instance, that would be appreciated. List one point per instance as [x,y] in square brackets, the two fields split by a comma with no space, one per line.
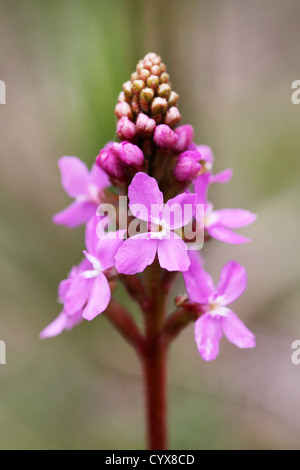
[233,64]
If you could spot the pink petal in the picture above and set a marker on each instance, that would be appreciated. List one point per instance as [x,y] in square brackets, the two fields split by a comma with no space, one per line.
[144,191]
[63,288]
[136,253]
[107,248]
[235,218]
[206,153]
[236,332]
[99,297]
[222,177]
[91,238]
[225,235]
[172,253]
[99,177]
[74,175]
[199,284]
[77,295]
[208,333]
[201,187]
[233,282]
[61,323]
[76,214]
[178,211]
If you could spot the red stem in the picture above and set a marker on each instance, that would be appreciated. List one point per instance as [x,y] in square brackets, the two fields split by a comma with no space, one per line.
[154,362]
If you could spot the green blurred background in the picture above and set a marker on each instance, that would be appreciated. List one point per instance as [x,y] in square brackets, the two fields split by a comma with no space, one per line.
[233,64]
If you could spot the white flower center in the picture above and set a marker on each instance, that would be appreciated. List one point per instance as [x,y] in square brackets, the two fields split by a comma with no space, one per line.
[217,307]
[96,265]
[159,229]
[92,195]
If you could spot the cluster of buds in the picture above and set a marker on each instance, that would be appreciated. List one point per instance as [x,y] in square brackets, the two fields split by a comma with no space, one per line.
[147,105]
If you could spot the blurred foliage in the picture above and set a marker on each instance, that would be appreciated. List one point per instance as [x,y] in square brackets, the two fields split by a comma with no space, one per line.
[63,63]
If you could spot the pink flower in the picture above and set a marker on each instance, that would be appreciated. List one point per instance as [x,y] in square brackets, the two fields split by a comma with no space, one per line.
[218,223]
[82,185]
[208,158]
[146,203]
[67,319]
[101,256]
[218,319]
[86,292]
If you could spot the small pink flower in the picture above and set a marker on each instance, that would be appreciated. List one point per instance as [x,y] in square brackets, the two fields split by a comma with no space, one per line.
[86,292]
[84,187]
[218,319]
[218,223]
[70,316]
[139,251]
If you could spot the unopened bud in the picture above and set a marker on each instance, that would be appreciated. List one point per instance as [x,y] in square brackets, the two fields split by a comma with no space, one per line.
[159,106]
[144,75]
[144,125]
[125,129]
[123,109]
[110,164]
[164,78]
[135,105]
[127,87]
[137,86]
[164,137]
[187,166]
[153,81]
[164,91]
[172,117]
[173,100]
[128,154]
[185,137]
[147,94]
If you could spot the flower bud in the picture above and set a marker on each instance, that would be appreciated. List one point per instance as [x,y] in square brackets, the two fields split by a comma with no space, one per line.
[172,117]
[153,81]
[185,135]
[187,166]
[159,105]
[138,86]
[123,109]
[164,137]
[127,87]
[173,99]
[128,154]
[125,129]
[145,126]
[164,91]
[110,164]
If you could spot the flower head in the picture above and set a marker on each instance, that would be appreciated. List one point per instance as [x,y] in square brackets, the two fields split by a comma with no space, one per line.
[218,319]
